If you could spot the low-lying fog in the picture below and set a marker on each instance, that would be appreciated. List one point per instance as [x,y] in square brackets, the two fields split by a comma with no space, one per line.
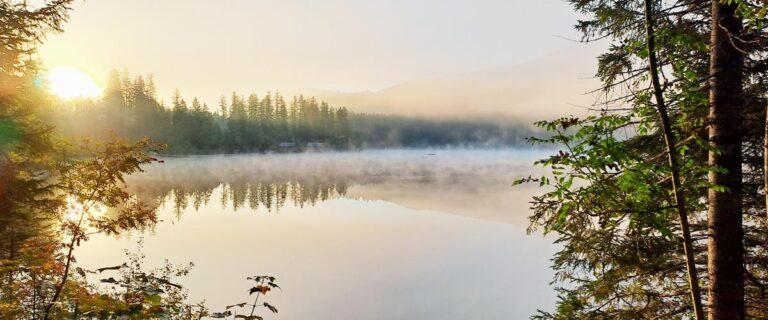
[390,234]
[473,183]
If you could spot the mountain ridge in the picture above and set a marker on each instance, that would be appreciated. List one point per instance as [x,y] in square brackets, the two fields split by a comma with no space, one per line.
[545,87]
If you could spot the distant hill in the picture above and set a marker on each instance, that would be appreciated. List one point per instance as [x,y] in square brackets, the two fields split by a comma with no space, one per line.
[549,86]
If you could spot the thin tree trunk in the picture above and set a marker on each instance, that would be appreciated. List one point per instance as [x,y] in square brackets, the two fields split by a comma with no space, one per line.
[669,139]
[77,234]
[60,285]
[765,161]
[726,234]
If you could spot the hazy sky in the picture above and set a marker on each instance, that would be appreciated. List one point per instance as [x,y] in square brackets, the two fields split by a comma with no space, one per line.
[210,47]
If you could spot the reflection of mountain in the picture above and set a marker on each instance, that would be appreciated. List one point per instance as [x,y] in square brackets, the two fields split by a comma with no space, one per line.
[469,183]
[496,202]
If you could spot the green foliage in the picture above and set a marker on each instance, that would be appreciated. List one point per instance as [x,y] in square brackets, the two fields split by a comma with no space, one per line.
[606,198]
[610,207]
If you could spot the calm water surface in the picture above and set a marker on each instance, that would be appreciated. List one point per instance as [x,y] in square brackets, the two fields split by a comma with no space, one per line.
[418,234]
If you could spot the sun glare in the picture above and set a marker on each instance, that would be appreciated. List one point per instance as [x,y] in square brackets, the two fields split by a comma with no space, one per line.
[68,83]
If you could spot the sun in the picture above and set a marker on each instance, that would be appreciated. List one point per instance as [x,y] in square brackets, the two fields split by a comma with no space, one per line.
[69,83]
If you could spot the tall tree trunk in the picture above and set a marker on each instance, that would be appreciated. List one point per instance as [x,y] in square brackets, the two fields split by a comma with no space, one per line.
[725,252]
[669,139]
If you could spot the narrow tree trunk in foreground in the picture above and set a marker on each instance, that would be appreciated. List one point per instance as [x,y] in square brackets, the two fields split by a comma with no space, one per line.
[60,286]
[669,139]
[725,252]
[765,161]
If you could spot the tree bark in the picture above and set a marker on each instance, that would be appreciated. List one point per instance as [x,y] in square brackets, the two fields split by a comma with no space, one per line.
[669,139]
[725,247]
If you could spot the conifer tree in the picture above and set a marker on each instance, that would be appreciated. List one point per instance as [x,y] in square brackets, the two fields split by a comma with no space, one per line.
[253,107]
[223,108]
[612,209]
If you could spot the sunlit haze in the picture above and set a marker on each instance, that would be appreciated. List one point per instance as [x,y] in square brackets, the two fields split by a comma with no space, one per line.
[209,48]
[383,159]
[67,83]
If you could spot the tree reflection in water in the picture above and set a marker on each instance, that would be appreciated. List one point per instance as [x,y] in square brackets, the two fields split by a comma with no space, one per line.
[469,183]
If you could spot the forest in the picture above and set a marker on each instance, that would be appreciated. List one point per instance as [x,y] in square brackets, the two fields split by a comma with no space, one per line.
[130,108]
[654,201]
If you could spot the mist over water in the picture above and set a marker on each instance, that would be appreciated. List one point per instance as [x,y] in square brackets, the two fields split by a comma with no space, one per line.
[425,179]
[389,234]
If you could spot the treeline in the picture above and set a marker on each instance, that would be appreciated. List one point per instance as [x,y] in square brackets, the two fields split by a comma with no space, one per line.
[130,108]
[384,131]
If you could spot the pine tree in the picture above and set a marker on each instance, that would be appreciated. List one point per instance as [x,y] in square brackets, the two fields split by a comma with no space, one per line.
[293,117]
[177,103]
[253,107]
[267,109]
[150,91]
[126,86]
[113,91]
[223,108]
[281,117]
[237,107]
[612,169]
[196,106]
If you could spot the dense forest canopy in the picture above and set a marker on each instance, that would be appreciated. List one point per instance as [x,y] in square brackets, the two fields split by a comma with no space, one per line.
[130,108]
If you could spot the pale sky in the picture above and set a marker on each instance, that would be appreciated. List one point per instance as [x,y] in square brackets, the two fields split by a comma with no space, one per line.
[206,48]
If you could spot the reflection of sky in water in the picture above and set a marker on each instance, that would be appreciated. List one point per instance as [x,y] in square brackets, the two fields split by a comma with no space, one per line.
[380,248]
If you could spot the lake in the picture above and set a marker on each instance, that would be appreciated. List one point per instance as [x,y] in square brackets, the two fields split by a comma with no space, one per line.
[391,234]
